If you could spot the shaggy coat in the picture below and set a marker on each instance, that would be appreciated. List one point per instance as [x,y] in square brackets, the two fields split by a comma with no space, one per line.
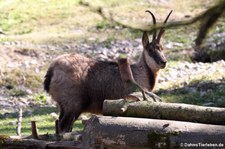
[80,84]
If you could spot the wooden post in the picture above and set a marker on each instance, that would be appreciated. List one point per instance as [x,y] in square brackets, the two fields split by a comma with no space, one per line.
[57,127]
[19,122]
[34,130]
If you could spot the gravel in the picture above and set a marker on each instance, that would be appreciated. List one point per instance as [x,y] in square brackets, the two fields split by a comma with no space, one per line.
[187,71]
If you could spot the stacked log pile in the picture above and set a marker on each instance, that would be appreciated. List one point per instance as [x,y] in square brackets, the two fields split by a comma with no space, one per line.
[146,124]
[133,124]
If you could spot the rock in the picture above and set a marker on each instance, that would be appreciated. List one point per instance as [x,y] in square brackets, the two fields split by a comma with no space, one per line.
[54,115]
[83,117]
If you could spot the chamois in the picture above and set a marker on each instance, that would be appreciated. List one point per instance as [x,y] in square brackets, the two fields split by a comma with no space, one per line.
[80,84]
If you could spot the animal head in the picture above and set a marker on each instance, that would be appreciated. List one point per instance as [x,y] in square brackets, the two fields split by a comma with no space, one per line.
[153,51]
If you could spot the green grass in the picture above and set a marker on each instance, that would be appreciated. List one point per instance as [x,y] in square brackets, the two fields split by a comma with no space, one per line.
[24,16]
[44,121]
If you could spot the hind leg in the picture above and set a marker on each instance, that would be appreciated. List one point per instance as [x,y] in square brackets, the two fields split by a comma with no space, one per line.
[69,113]
[67,120]
[61,113]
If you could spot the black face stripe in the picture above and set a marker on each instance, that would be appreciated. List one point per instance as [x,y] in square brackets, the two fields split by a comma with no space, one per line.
[155,54]
[151,76]
[157,57]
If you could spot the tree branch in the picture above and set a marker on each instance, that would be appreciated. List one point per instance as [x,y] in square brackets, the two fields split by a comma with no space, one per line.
[208,18]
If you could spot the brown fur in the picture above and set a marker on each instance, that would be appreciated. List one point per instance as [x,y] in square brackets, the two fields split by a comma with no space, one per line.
[80,84]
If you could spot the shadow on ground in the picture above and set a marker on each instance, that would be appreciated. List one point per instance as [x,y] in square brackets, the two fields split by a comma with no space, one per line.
[207,93]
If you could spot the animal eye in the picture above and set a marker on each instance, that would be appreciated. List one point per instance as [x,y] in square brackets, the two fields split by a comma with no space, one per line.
[159,48]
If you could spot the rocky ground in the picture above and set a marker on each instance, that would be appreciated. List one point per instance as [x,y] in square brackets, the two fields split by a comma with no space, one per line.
[36,58]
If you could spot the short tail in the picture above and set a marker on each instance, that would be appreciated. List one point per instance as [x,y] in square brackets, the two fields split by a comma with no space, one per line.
[47,80]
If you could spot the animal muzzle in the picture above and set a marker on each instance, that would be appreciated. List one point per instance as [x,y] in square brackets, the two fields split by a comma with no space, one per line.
[162,64]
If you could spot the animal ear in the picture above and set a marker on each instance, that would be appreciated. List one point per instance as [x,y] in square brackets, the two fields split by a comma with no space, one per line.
[145,40]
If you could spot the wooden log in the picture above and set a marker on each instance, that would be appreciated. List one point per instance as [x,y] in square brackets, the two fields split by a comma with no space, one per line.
[139,133]
[65,145]
[22,143]
[161,110]
[10,143]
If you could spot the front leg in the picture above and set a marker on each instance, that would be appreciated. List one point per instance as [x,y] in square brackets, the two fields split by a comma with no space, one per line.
[154,96]
[127,76]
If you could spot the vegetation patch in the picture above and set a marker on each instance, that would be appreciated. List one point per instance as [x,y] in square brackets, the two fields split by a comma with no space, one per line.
[42,115]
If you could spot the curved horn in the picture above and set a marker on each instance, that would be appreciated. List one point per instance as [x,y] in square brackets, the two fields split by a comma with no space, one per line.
[162,29]
[154,23]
